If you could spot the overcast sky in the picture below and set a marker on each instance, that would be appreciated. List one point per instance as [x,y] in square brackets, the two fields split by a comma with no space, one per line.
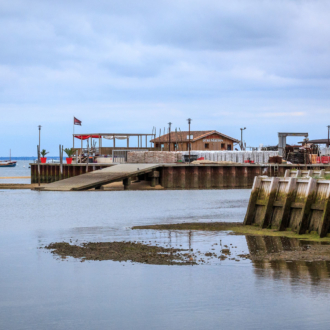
[126,66]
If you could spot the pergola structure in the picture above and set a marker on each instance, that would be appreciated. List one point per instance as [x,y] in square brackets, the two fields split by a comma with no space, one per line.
[113,136]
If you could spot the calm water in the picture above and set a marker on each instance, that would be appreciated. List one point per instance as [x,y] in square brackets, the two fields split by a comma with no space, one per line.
[21,169]
[37,291]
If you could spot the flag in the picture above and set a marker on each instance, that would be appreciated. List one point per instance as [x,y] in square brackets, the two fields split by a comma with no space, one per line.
[76,121]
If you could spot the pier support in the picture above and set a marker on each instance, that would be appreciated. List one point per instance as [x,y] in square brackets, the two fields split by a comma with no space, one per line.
[154,175]
[127,182]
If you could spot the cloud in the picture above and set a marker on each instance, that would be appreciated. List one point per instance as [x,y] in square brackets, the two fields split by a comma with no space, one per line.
[132,65]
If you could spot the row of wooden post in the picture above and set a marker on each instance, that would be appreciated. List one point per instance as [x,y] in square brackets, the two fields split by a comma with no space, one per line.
[61,161]
[290,203]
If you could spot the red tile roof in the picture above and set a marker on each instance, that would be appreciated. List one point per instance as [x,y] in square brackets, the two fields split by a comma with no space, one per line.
[182,136]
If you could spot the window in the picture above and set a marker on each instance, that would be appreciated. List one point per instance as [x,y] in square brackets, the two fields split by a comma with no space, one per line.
[191,137]
[188,146]
[228,146]
[207,146]
[223,146]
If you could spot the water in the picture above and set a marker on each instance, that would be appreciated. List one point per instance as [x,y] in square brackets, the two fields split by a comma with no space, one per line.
[20,170]
[38,291]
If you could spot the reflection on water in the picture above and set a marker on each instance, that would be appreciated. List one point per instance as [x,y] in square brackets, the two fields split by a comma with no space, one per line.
[306,273]
[39,292]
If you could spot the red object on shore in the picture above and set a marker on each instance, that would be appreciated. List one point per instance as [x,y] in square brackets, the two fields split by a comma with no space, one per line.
[69,160]
[43,160]
[325,159]
[201,158]
[246,161]
[318,160]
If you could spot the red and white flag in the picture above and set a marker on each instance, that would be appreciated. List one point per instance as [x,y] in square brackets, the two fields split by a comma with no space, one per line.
[76,121]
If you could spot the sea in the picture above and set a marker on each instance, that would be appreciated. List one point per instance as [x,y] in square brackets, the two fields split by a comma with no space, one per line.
[41,291]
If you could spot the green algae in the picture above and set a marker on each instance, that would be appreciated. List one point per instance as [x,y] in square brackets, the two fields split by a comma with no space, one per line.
[236,228]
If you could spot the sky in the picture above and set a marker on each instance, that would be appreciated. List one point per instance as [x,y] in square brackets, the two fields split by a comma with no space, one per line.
[128,66]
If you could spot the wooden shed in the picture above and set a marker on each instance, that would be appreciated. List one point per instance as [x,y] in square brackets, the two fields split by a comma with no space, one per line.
[199,140]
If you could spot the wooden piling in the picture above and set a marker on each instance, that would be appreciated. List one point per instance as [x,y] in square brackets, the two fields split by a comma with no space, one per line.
[127,183]
[269,201]
[325,219]
[302,205]
[250,213]
[288,198]
[305,212]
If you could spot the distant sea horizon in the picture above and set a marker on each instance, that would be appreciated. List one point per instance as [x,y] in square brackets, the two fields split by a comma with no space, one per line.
[27,158]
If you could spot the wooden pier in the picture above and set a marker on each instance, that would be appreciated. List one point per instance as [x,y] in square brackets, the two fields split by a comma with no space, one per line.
[178,176]
[97,179]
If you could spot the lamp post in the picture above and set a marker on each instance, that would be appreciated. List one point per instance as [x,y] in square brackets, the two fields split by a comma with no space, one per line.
[169,136]
[242,129]
[328,135]
[189,122]
[39,128]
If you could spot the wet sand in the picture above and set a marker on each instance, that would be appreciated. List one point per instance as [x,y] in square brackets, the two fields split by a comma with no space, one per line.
[15,177]
[18,185]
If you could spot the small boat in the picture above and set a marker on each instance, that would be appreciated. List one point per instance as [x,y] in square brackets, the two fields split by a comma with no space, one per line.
[7,163]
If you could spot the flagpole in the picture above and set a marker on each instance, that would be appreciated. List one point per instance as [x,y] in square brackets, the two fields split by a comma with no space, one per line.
[73,134]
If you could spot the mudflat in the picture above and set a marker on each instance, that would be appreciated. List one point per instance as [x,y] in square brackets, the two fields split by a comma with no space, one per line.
[263,244]
[123,251]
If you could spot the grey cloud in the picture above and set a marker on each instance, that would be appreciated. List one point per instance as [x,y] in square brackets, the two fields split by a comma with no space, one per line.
[238,57]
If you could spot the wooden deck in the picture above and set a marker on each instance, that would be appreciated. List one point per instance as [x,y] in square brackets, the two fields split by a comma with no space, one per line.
[98,178]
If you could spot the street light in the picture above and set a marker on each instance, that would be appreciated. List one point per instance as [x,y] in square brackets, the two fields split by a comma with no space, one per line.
[242,129]
[39,127]
[328,135]
[189,122]
[169,136]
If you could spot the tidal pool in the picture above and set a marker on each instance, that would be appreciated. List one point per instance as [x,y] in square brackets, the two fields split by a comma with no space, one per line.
[41,291]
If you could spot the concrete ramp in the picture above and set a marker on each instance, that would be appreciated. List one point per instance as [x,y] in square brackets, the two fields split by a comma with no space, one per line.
[101,177]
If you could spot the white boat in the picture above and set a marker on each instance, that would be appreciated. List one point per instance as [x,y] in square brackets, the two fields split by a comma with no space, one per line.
[7,163]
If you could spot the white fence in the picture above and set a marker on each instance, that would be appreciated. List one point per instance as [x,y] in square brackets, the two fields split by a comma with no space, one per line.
[258,157]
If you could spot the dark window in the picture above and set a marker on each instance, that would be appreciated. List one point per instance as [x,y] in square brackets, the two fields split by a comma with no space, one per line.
[207,146]
[223,146]
[228,146]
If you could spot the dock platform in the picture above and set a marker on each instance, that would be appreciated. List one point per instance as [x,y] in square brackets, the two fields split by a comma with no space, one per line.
[98,178]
